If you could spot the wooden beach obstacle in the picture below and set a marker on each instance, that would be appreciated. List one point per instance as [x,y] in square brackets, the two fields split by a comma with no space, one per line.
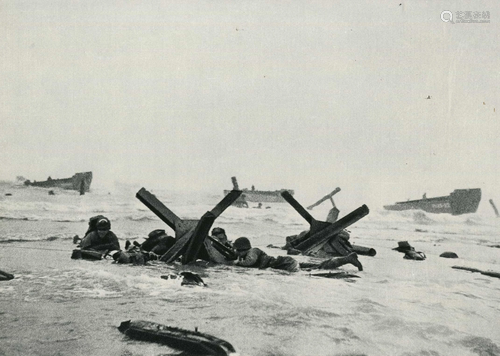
[494,208]
[326,197]
[322,232]
[191,235]
[333,214]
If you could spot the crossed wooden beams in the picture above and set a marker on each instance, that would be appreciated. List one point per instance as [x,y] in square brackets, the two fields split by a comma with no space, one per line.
[191,235]
[320,231]
[326,197]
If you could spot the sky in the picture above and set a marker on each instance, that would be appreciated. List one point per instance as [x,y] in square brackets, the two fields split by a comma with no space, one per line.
[306,95]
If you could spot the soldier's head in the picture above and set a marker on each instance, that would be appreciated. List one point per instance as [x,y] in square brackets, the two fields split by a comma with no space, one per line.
[103,227]
[219,233]
[242,245]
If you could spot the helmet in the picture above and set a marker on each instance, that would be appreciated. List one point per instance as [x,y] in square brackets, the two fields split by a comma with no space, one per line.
[218,230]
[103,224]
[242,243]
[156,233]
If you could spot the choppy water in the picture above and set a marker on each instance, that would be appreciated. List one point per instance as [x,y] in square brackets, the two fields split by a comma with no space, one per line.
[59,306]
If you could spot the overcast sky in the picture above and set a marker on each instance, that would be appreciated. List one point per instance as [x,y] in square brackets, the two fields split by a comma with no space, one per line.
[308,95]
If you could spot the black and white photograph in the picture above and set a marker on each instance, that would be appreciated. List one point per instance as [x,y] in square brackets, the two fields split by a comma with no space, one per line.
[249,178]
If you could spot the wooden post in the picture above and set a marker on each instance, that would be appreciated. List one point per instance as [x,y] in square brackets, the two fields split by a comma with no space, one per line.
[235,183]
[299,208]
[494,208]
[326,197]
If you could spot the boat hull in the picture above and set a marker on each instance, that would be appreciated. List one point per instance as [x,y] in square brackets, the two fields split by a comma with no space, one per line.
[192,342]
[79,182]
[460,201]
[262,196]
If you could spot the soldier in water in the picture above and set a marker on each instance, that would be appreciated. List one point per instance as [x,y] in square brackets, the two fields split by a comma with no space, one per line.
[249,256]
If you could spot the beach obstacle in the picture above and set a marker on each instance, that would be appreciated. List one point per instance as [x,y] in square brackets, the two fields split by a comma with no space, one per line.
[326,197]
[475,270]
[321,232]
[191,235]
[494,208]
[240,202]
[333,214]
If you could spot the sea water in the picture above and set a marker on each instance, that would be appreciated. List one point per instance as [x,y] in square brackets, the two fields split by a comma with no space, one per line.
[60,306]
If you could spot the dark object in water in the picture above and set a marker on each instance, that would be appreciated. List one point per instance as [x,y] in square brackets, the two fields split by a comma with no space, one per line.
[335,275]
[365,251]
[86,255]
[193,342]
[51,192]
[494,208]
[4,276]
[260,196]
[78,182]
[404,246]
[188,278]
[486,273]
[8,194]
[409,251]
[448,255]
[460,201]
[414,255]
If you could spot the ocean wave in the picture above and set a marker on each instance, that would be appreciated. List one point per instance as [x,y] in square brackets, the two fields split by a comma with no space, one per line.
[481,345]
[140,218]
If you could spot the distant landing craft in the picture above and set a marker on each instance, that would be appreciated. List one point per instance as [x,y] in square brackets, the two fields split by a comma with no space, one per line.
[260,196]
[80,182]
[460,201]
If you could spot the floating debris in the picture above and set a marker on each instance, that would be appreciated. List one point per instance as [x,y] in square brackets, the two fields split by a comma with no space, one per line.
[193,342]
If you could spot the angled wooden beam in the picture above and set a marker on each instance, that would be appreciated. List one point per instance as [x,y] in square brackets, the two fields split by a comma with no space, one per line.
[326,197]
[320,232]
[299,208]
[226,202]
[333,229]
[190,234]
[198,237]
[157,207]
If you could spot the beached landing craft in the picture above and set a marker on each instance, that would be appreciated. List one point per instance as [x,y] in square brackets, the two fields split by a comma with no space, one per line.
[460,201]
[260,196]
[79,182]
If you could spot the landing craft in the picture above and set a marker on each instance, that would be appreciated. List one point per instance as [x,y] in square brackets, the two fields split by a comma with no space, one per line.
[260,196]
[79,181]
[460,201]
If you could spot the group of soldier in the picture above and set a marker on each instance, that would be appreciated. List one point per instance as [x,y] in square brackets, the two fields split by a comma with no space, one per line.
[100,238]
